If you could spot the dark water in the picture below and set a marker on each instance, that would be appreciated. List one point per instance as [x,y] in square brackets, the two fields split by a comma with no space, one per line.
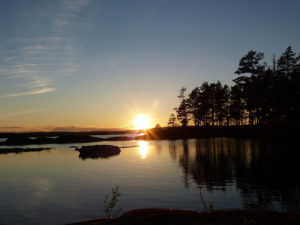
[57,187]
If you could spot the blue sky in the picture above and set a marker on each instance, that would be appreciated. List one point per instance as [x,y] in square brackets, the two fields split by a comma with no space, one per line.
[94,63]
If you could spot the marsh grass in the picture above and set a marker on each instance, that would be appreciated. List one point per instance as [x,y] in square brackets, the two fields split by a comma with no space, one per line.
[111,203]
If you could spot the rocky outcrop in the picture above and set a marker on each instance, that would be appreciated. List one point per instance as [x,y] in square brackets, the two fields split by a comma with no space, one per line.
[98,151]
[183,217]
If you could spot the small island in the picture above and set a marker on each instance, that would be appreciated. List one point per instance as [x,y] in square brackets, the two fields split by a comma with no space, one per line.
[98,151]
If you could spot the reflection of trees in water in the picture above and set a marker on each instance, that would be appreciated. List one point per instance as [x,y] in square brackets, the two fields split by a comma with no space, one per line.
[158,148]
[264,171]
[172,150]
[184,162]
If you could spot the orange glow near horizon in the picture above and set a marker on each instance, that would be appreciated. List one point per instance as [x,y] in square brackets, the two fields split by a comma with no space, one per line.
[142,122]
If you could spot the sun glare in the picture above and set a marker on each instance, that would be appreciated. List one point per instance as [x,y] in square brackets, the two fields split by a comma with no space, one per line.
[143,149]
[142,122]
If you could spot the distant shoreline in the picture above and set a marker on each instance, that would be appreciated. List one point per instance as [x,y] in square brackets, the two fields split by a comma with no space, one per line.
[58,133]
[220,131]
[166,133]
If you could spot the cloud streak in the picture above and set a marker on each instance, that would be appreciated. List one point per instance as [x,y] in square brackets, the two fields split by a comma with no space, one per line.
[35,92]
[34,63]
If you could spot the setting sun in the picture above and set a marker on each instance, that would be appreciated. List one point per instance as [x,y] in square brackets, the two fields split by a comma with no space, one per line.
[142,122]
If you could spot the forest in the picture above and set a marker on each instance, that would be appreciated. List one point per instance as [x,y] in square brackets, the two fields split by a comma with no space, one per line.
[262,94]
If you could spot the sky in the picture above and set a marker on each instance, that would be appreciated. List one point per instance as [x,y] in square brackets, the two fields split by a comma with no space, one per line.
[68,64]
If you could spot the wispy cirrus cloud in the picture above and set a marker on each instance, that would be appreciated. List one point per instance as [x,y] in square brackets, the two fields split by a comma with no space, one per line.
[35,48]
[33,62]
[35,92]
[28,75]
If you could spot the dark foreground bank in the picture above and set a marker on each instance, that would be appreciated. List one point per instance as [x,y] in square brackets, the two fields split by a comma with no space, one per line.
[182,217]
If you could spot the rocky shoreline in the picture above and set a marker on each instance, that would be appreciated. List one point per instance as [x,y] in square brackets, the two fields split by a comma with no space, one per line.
[184,217]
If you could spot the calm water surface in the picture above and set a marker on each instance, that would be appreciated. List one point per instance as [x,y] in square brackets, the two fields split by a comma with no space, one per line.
[57,187]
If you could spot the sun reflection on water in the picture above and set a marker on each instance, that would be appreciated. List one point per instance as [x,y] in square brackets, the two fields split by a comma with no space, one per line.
[143,148]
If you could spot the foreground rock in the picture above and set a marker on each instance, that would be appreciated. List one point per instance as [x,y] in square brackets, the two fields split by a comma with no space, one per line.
[182,217]
[98,151]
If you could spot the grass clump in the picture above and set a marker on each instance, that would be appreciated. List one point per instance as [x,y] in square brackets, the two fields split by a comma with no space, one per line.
[111,203]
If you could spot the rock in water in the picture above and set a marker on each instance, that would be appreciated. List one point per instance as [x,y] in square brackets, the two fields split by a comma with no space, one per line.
[98,151]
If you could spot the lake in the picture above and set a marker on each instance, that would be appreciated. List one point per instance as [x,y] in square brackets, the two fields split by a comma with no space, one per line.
[57,186]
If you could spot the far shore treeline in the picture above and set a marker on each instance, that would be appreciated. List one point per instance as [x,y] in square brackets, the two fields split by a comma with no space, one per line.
[261,95]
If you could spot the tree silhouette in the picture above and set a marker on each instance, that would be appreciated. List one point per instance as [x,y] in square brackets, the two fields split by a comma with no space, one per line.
[182,110]
[157,126]
[250,63]
[287,61]
[172,120]
[182,113]
[261,95]
[237,105]
[194,105]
